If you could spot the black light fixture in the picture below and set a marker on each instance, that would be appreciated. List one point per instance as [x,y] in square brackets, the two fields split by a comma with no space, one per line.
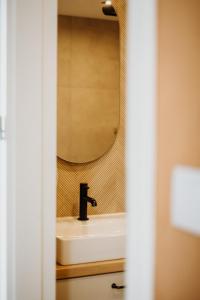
[108,8]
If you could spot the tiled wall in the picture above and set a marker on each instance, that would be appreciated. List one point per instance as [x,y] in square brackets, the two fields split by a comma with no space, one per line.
[105,176]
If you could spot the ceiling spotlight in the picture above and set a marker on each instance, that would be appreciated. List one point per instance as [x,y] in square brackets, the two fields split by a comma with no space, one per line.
[108,8]
[108,2]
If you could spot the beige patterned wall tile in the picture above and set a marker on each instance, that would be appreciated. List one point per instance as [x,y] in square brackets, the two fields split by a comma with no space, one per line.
[105,176]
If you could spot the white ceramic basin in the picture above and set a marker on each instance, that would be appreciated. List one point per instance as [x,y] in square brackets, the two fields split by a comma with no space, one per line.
[100,238]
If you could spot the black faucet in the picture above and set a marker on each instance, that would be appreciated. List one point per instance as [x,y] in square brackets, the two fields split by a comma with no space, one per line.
[84,199]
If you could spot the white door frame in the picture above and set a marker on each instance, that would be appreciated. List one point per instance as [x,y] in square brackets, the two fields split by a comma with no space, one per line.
[32,27]
[3,150]
[32,30]
[141,141]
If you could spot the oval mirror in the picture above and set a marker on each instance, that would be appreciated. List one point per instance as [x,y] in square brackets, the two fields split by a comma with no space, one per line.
[88,81]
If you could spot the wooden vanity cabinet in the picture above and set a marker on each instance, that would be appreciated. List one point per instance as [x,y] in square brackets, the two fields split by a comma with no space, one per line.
[98,287]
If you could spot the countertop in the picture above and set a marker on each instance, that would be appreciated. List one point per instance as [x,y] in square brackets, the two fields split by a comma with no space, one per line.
[88,269]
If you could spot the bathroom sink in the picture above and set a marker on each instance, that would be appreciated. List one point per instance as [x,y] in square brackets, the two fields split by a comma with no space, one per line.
[100,238]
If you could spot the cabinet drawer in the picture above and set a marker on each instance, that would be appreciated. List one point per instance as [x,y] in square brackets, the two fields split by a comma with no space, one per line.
[91,287]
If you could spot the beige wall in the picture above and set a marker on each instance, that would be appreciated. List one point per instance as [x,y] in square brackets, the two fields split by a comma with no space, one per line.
[178,253]
[105,176]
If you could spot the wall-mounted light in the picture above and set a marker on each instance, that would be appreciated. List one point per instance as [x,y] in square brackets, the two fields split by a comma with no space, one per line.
[108,8]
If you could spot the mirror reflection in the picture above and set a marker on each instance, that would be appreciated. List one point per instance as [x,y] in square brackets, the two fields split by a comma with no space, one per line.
[88,82]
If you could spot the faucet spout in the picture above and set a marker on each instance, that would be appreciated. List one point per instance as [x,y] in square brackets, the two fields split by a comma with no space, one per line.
[92,201]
